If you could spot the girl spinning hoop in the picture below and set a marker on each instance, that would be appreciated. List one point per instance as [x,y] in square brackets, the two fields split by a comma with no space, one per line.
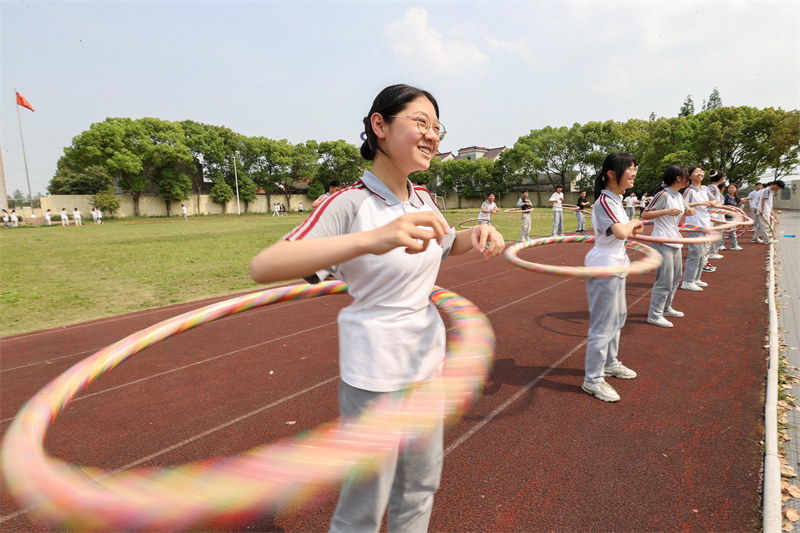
[607,306]
[667,208]
[386,239]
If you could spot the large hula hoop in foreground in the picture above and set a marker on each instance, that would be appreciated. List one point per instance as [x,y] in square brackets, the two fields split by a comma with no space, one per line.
[264,479]
[651,260]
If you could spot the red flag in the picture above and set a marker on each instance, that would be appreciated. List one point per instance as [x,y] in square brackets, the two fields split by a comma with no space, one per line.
[24,103]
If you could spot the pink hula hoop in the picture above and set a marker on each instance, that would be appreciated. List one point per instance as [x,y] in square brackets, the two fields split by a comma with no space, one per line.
[275,476]
[651,260]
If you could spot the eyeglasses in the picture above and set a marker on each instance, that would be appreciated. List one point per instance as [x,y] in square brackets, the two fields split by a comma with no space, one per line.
[424,124]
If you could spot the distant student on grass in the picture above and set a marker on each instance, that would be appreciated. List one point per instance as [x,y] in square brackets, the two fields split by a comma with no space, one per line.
[487,208]
[582,204]
[557,199]
[185,213]
[64,217]
[525,205]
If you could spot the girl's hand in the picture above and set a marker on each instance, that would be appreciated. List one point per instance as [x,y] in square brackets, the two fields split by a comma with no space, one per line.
[412,231]
[638,226]
[487,240]
[690,212]
[674,212]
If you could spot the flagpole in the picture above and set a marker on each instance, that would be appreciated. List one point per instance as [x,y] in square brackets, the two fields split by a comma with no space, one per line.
[25,158]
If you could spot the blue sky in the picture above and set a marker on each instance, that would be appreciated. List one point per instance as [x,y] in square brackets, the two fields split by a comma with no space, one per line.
[309,70]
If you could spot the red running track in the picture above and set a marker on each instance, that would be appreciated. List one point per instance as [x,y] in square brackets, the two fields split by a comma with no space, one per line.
[680,452]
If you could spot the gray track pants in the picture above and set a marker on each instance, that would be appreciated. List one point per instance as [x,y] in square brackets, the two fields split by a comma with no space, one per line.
[406,482]
[668,277]
[607,314]
[698,253]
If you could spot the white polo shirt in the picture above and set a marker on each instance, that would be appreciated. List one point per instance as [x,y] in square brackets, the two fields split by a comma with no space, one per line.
[765,202]
[755,199]
[557,198]
[391,335]
[607,249]
[692,195]
[715,195]
[667,225]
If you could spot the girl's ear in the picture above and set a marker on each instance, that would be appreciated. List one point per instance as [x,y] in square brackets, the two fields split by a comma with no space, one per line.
[611,175]
[378,125]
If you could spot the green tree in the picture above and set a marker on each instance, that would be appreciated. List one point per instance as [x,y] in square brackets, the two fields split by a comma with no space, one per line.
[68,180]
[106,201]
[338,160]
[714,101]
[168,160]
[687,109]
[221,193]
[121,145]
[783,145]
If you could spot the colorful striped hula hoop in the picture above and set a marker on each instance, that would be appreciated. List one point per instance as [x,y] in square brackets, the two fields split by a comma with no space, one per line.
[461,224]
[651,260]
[266,478]
[738,226]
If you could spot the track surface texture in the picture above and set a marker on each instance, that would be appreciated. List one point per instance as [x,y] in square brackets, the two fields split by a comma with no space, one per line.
[681,451]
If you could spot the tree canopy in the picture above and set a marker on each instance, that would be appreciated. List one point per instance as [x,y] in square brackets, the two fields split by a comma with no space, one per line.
[174,159]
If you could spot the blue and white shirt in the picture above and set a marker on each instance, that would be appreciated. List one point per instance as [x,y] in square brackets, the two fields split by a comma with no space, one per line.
[667,225]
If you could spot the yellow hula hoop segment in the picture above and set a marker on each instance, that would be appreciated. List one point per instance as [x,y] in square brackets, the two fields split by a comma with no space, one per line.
[651,260]
[282,475]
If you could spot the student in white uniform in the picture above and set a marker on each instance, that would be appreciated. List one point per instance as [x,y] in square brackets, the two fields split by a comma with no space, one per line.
[77,216]
[487,208]
[525,204]
[696,196]
[557,199]
[64,217]
[47,219]
[753,201]
[607,307]
[716,184]
[385,238]
[666,209]
[765,216]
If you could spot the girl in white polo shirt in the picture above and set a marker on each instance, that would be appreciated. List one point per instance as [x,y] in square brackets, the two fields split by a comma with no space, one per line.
[696,196]
[667,208]
[607,307]
[385,238]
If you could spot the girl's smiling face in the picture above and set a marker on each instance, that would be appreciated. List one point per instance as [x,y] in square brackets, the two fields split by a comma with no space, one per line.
[628,177]
[408,149]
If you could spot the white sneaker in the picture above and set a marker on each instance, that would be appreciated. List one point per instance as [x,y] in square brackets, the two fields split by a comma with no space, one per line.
[700,283]
[619,371]
[721,247]
[737,248]
[716,256]
[560,234]
[673,313]
[691,287]
[601,390]
[660,321]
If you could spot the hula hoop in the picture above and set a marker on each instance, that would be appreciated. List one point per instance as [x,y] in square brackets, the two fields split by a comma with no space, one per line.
[652,259]
[711,234]
[266,477]
[518,210]
[738,227]
[569,207]
[462,226]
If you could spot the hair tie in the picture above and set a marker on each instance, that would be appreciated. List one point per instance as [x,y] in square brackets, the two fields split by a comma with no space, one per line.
[365,138]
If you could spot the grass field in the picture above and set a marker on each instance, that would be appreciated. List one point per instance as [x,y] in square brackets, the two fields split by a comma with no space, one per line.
[54,276]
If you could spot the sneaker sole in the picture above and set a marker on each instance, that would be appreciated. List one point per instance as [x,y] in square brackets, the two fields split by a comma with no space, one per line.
[619,376]
[609,400]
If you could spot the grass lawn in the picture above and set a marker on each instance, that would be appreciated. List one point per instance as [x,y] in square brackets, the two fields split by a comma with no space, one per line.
[54,276]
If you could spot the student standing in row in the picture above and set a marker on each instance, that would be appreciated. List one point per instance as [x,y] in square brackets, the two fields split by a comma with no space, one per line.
[731,199]
[666,209]
[696,196]
[557,199]
[524,203]
[487,208]
[753,201]
[386,239]
[582,203]
[764,212]
[607,306]
[64,217]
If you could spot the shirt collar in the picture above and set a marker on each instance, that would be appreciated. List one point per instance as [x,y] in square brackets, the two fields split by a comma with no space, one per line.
[612,195]
[379,189]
